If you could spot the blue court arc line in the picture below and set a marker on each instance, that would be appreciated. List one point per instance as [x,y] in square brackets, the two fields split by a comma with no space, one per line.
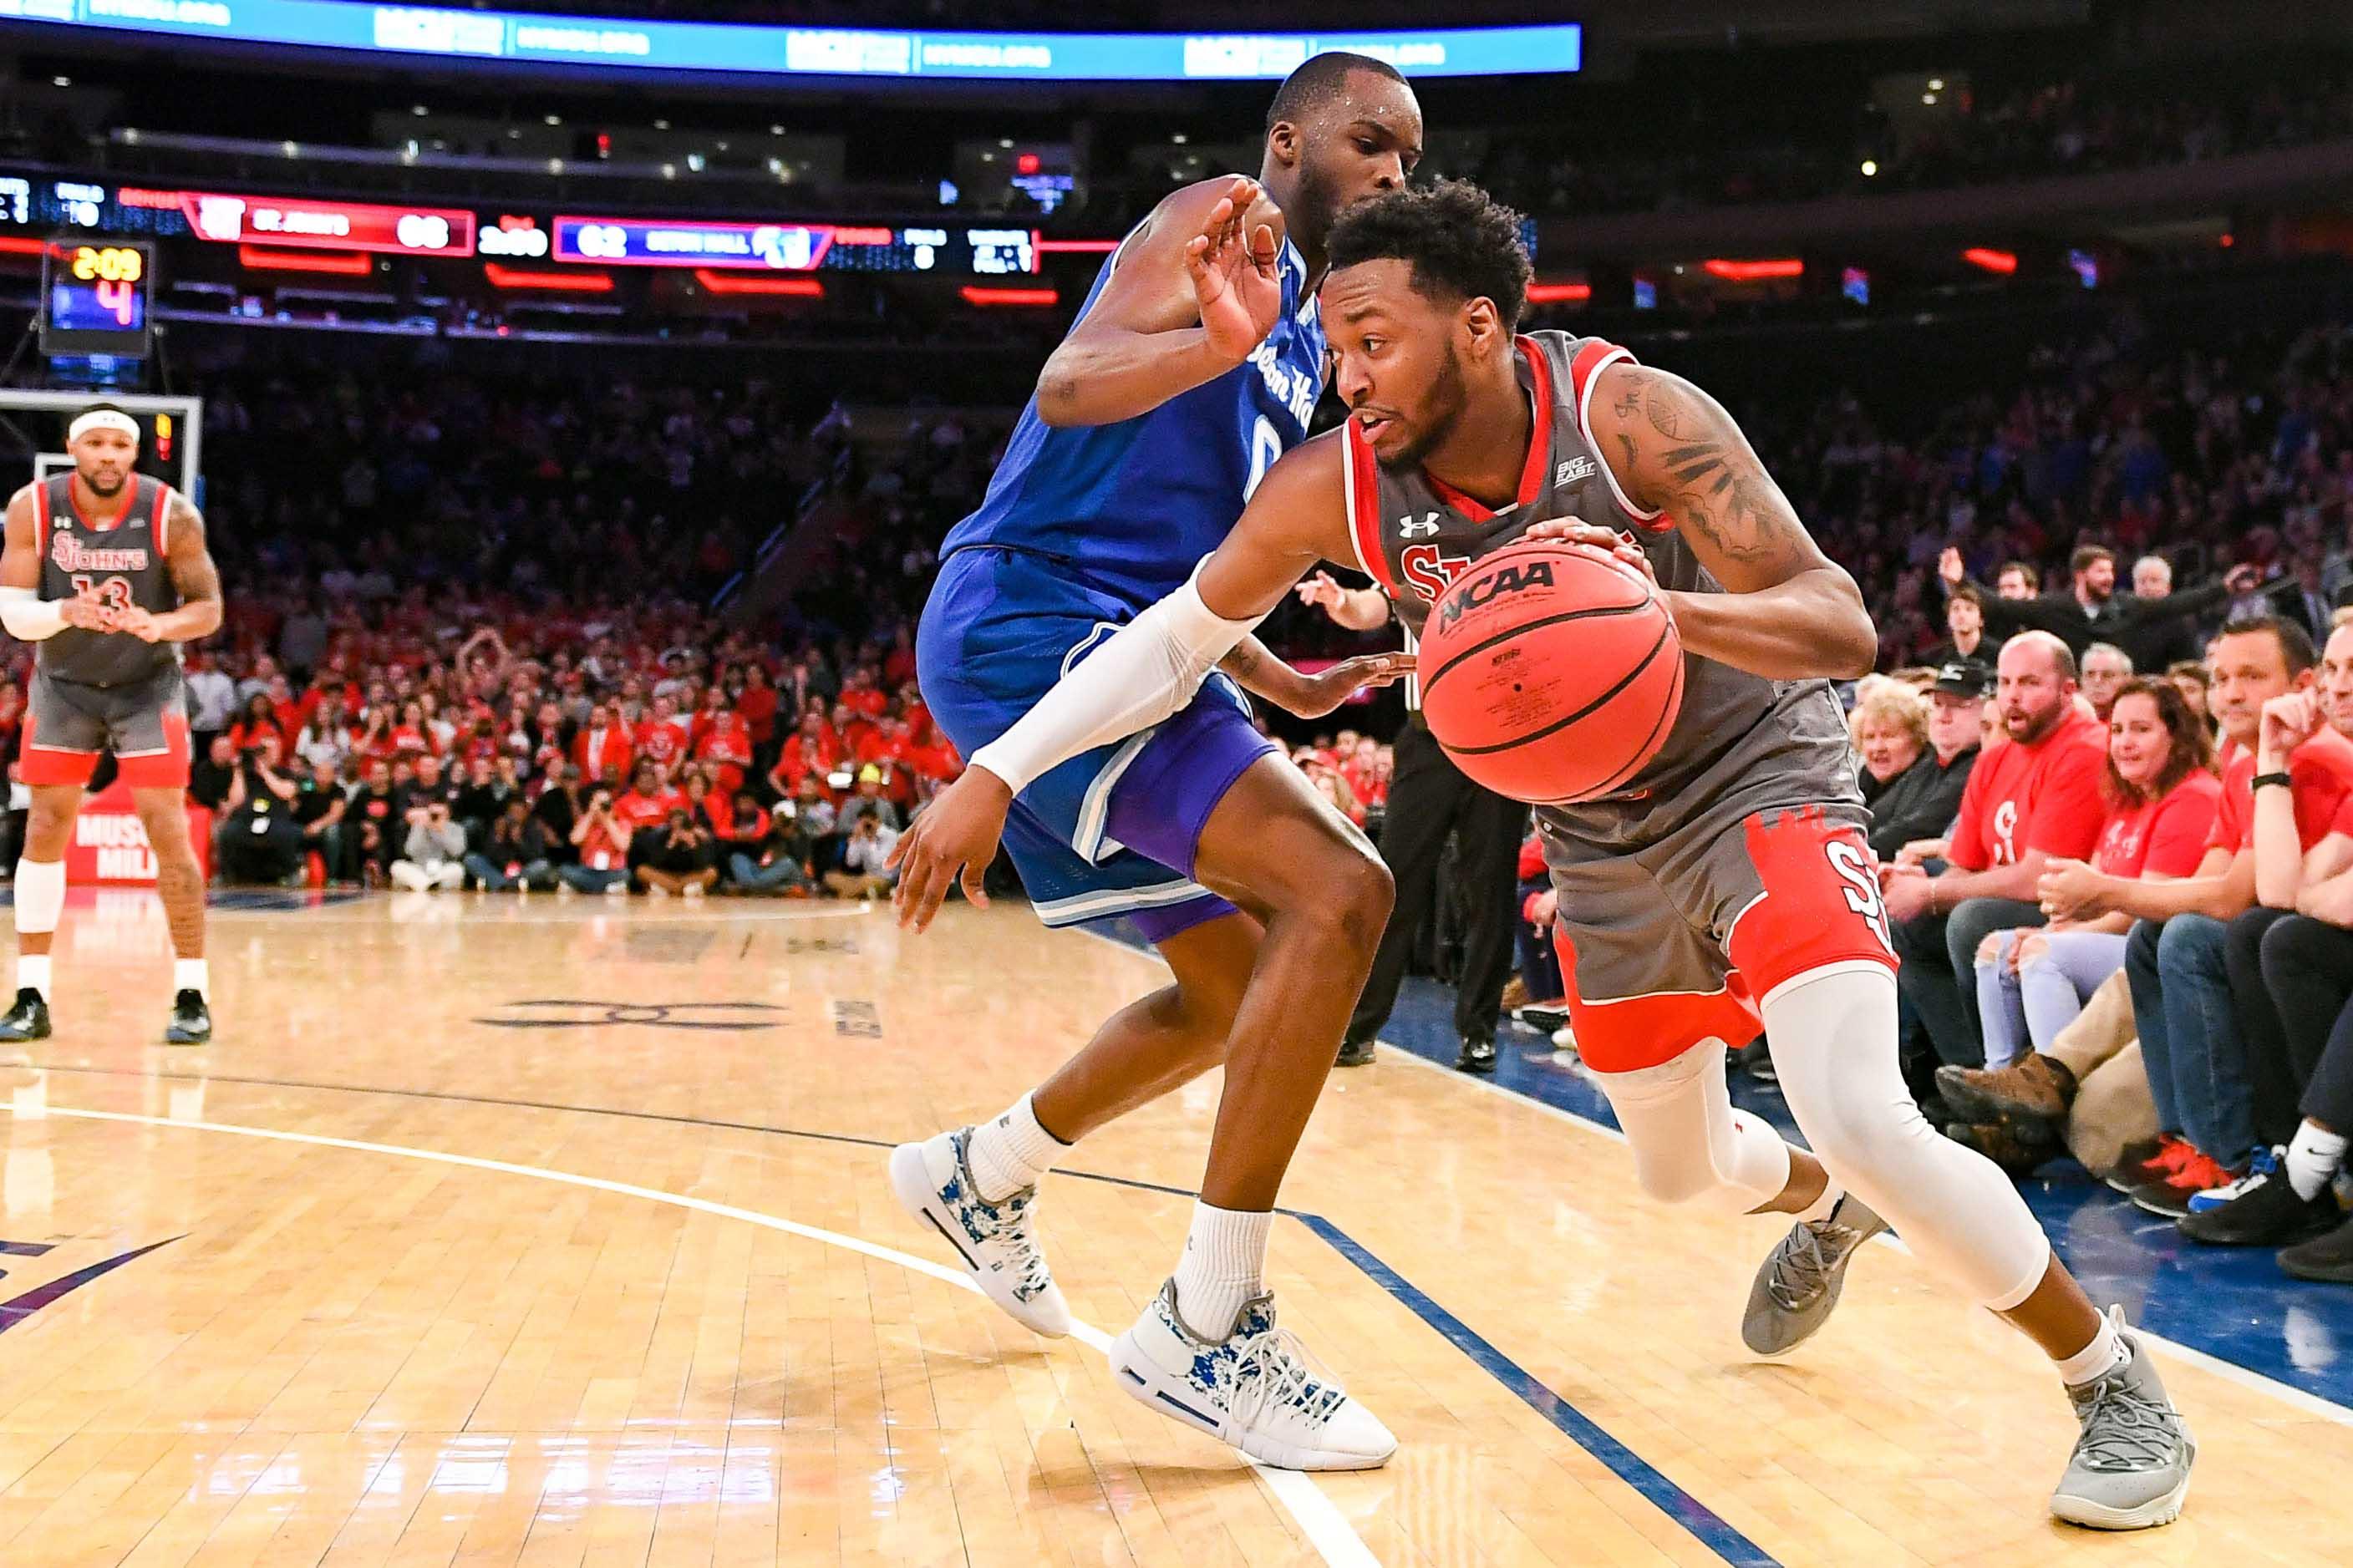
[1702,1523]
[1670,1499]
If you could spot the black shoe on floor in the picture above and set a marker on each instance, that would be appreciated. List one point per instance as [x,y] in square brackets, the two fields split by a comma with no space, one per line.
[1544,1017]
[1756,1059]
[27,1020]
[1355,1054]
[2266,1213]
[2328,1259]
[192,1021]
[1477,1056]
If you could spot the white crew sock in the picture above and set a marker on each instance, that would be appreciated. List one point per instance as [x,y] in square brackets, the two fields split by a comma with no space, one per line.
[2312,1158]
[33,973]
[1224,1266]
[190,974]
[1821,1208]
[2103,1355]
[1011,1152]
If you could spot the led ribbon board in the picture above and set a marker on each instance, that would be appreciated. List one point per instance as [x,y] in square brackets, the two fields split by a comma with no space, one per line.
[639,46]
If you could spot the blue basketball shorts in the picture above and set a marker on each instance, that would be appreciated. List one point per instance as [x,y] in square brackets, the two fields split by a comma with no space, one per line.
[1112,832]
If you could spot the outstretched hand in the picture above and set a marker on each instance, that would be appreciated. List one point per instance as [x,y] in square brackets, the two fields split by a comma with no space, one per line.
[1320,693]
[1576,530]
[954,840]
[1236,280]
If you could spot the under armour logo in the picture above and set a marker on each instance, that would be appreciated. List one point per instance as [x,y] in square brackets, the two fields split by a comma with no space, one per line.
[1409,529]
[1576,468]
[650,1015]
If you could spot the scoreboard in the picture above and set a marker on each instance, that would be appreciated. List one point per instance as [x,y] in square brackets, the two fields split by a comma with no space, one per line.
[779,246]
[95,298]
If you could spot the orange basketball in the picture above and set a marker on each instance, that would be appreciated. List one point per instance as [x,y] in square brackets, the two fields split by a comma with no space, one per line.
[1551,672]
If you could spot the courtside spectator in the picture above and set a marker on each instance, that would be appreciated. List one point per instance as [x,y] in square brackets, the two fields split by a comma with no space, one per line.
[1920,802]
[2107,668]
[515,852]
[2032,799]
[2092,610]
[433,857]
[602,844]
[680,858]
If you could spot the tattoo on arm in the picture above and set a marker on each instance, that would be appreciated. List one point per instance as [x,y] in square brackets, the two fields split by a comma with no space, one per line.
[190,563]
[1705,475]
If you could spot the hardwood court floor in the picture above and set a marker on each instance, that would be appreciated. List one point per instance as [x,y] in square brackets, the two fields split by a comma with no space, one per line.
[554,1232]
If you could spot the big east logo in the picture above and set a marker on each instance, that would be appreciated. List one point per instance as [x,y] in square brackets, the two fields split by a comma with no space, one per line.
[1479,591]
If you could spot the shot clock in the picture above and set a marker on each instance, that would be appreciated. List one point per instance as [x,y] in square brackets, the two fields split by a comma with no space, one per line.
[94,298]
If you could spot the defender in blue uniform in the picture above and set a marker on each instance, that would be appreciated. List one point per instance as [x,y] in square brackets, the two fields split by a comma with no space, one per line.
[1194,363]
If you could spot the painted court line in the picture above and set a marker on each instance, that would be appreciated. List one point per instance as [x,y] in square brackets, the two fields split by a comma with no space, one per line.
[1318,1518]
[2300,1400]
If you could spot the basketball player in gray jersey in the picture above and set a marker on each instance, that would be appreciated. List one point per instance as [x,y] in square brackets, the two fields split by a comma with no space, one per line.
[106,573]
[1724,885]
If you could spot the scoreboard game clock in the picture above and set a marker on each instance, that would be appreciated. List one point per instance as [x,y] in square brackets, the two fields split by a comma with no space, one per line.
[95,296]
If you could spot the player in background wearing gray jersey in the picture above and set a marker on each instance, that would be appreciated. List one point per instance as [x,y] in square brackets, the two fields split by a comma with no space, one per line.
[105,572]
[1419,305]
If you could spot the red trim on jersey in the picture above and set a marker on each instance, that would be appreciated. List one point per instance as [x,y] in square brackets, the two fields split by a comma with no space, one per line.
[1364,488]
[1532,470]
[41,521]
[155,522]
[130,497]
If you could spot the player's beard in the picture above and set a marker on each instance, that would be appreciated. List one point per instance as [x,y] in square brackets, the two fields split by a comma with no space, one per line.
[1445,403]
[104,491]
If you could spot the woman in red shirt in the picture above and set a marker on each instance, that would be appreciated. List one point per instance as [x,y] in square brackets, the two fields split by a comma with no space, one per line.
[260,719]
[2162,795]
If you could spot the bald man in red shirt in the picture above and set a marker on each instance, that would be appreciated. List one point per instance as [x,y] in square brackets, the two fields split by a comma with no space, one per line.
[2033,801]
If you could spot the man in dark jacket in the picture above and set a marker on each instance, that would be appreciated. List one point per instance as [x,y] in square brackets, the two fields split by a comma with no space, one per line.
[2092,610]
[1920,802]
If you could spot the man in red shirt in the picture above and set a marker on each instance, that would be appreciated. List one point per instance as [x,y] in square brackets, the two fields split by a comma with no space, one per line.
[2033,799]
[2194,935]
[603,746]
[650,799]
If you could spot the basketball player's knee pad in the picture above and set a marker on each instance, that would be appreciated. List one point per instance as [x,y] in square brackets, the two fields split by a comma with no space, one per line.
[40,895]
[1835,1043]
[1689,1144]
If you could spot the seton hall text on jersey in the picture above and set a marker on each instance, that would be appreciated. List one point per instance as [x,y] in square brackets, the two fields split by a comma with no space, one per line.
[72,556]
[1294,389]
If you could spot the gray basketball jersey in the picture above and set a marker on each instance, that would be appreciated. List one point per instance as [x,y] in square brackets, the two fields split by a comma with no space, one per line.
[1738,741]
[116,555]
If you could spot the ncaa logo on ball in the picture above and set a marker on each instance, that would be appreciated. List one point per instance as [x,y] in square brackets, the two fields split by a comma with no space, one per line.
[1484,589]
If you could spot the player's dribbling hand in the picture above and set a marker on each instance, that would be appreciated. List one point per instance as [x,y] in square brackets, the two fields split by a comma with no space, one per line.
[1576,530]
[1235,279]
[954,840]
[1319,694]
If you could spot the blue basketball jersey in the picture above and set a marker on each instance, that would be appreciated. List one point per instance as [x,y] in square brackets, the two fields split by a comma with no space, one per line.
[1134,507]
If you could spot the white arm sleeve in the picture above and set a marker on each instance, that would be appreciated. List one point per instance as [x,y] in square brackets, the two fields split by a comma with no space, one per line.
[1147,672]
[29,616]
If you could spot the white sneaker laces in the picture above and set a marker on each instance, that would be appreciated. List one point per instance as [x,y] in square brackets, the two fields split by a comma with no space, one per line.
[1278,1369]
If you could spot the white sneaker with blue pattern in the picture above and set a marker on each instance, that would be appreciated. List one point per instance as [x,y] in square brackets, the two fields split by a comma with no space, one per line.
[996,1242]
[1257,1389]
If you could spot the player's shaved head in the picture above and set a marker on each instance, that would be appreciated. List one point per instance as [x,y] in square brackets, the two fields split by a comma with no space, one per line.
[1319,82]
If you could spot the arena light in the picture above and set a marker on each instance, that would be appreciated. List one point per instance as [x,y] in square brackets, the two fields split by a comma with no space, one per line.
[1753,272]
[2002,261]
[335,263]
[775,288]
[560,282]
[14,245]
[1074,246]
[987,299]
[1559,293]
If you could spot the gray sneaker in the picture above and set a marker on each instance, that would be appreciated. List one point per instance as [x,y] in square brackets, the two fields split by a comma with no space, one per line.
[1799,1283]
[2131,1468]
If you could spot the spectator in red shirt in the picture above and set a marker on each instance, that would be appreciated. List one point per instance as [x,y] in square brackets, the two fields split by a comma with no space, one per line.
[602,747]
[726,750]
[850,727]
[663,737]
[861,696]
[757,705]
[2162,795]
[260,719]
[649,800]
[2035,798]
